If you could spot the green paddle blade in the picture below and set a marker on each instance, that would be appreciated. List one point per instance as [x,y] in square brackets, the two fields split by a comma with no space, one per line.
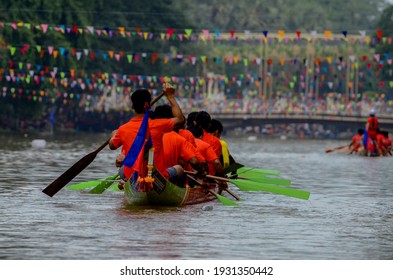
[263,179]
[254,187]
[84,185]
[103,185]
[115,188]
[224,200]
[257,171]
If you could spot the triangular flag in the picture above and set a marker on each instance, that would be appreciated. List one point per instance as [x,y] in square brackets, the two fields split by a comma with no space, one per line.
[91,29]
[129,58]
[44,27]
[12,50]
[206,33]
[379,33]
[188,32]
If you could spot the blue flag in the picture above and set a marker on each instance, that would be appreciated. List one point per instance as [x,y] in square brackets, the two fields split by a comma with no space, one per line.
[365,139]
[138,143]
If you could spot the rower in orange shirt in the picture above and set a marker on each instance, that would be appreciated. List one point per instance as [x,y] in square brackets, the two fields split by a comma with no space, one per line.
[206,150]
[383,143]
[356,143]
[388,142]
[216,129]
[213,161]
[178,152]
[203,119]
[126,134]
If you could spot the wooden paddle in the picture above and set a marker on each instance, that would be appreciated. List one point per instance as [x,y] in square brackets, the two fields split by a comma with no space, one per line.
[246,185]
[335,149]
[224,200]
[79,166]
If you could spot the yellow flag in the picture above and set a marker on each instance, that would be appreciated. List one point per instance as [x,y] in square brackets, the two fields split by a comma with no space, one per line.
[368,40]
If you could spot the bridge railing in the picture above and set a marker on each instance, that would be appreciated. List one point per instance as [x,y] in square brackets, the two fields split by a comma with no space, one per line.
[265,109]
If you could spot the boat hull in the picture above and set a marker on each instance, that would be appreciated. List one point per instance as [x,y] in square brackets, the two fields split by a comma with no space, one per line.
[165,193]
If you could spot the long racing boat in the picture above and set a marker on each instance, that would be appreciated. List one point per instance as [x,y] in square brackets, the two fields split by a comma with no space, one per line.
[165,193]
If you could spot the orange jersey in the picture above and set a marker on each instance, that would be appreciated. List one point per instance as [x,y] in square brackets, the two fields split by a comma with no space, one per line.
[213,141]
[372,127]
[356,142]
[175,147]
[188,135]
[380,141]
[126,134]
[207,153]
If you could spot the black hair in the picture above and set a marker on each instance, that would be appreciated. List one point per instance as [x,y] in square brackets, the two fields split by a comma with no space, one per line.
[203,119]
[215,125]
[191,119]
[361,131]
[139,98]
[163,112]
[196,131]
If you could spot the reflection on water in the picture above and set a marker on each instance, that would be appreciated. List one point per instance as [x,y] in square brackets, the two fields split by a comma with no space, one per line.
[349,214]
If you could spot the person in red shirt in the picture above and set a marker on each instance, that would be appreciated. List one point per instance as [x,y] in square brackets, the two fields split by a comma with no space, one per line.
[356,143]
[383,143]
[371,127]
[388,142]
[126,134]
[203,119]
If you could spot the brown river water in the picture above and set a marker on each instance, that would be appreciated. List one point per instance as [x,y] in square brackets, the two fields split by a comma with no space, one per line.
[349,214]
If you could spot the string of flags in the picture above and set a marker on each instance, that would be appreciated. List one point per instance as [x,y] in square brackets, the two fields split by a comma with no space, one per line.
[135,57]
[188,34]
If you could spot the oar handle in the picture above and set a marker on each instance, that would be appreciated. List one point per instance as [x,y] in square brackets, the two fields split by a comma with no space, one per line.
[157,98]
[335,149]
[218,178]
[208,176]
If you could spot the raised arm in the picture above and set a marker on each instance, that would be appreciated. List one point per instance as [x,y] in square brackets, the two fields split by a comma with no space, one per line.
[169,91]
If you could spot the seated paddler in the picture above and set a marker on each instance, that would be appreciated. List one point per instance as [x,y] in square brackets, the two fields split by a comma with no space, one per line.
[142,136]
